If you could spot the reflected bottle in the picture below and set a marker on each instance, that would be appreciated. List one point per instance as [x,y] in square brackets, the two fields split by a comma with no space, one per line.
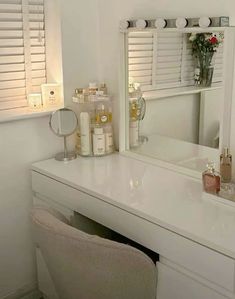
[211,179]
[226,166]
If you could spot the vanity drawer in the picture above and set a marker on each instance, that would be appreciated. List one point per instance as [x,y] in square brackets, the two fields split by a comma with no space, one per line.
[174,284]
[198,259]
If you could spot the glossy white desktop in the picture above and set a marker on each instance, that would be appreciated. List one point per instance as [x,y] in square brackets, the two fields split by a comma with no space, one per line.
[158,208]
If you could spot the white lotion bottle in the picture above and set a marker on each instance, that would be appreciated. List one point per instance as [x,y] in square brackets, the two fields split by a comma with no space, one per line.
[85,134]
[98,142]
[109,144]
[134,133]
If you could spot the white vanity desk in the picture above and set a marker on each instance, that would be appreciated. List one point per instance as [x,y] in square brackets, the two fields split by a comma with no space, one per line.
[163,210]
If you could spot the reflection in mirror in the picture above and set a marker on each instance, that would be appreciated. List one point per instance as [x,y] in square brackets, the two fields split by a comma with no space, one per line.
[63,123]
[181,77]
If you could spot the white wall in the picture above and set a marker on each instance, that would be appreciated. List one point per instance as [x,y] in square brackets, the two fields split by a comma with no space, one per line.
[80,49]
[21,143]
[176,117]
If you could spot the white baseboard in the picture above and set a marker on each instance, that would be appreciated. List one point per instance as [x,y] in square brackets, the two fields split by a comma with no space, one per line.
[26,292]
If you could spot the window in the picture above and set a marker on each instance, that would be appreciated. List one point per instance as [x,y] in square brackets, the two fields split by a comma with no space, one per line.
[159,60]
[22,51]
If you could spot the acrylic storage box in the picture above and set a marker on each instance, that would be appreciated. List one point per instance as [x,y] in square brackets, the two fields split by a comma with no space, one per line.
[94,136]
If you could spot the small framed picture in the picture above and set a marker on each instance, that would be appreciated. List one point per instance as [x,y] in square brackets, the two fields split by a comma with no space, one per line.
[51,94]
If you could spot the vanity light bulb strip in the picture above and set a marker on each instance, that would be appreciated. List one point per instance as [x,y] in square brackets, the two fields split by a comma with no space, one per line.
[180,23]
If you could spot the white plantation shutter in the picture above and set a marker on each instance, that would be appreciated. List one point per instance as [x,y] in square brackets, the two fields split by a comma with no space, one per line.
[159,60]
[22,51]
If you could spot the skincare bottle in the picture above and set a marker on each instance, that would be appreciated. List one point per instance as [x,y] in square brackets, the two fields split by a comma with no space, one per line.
[134,133]
[98,142]
[85,134]
[211,179]
[226,166]
[109,146]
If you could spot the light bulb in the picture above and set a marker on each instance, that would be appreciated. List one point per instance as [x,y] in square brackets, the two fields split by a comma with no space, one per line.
[160,23]
[124,24]
[181,23]
[141,24]
[204,22]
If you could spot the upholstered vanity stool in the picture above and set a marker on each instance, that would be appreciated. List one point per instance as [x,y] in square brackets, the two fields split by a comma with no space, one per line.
[86,266]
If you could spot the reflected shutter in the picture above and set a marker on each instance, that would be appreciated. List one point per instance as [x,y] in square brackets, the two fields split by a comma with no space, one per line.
[159,60]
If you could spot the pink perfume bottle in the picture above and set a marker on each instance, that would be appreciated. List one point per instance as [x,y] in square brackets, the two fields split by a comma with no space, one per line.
[211,179]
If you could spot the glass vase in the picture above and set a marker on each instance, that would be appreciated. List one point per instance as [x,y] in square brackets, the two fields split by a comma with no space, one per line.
[204,71]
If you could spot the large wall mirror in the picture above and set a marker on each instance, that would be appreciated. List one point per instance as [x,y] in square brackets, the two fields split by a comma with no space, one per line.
[178,92]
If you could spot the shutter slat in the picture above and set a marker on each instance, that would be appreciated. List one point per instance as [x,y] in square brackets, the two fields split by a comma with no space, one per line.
[140,73]
[15,42]
[11,34]
[12,84]
[141,60]
[20,103]
[10,7]
[11,59]
[38,66]
[12,92]
[140,47]
[12,51]
[38,81]
[140,41]
[38,74]
[11,67]
[38,57]
[138,67]
[146,80]
[10,16]
[11,25]
[140,54]
[12,76]
[38,50]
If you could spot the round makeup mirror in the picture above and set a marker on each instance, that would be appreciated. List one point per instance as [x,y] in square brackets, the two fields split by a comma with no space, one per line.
[63,123]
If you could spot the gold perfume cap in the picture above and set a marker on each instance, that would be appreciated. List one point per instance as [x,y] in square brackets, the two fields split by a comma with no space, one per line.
[211,166]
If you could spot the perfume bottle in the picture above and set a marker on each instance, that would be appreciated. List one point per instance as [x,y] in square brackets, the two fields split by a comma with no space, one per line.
[102,115]
[103,88]
[226,166]
[211,179]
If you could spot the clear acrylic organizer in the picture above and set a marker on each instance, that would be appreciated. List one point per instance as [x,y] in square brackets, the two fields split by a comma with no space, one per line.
[94,136]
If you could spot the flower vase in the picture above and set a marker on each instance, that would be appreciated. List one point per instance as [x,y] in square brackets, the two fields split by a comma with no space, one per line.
[204,71]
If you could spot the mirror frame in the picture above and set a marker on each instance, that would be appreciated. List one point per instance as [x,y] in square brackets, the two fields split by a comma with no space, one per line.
[227,126]
[50,122]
